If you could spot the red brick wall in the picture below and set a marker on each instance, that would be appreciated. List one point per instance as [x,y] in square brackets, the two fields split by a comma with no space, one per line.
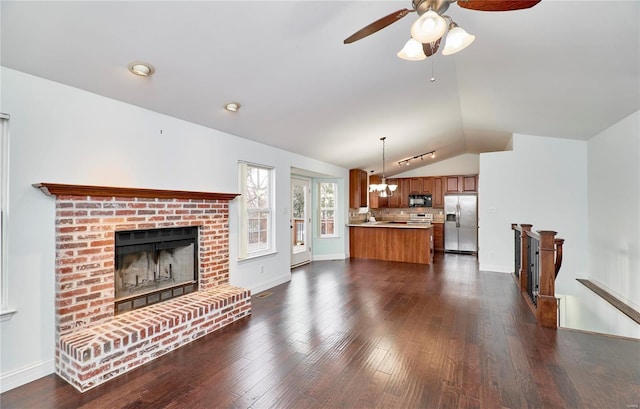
[85,227]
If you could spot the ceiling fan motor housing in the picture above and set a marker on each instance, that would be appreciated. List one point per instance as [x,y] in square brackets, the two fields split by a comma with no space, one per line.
[439,6]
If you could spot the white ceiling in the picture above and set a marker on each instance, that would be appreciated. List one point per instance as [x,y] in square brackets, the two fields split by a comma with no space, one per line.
[564,69]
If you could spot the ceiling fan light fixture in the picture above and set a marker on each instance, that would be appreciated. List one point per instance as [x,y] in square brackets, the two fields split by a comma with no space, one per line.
[457,40]
[429,27]
[412,51]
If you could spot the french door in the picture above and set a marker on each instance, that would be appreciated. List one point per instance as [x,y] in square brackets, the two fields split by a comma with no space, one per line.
[300,221]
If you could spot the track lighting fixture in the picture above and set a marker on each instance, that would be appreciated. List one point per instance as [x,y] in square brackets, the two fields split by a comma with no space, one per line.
[405,162]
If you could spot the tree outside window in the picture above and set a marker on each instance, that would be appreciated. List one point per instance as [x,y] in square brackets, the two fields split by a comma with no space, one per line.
[255,210]
[328,210]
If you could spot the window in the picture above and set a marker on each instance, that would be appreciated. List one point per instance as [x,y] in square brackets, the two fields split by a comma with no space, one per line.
[328,208]
[256,210]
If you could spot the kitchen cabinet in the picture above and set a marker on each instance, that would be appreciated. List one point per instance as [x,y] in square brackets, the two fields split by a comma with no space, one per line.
[438,193]
[427,185]
[457,184]
[470,183]
[452,184]
[394,200]
[375,201]
[415,186]
[358,188]
[438,236]
[403,187]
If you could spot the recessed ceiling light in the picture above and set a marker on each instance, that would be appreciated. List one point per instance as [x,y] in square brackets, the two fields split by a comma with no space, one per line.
[232,106]
[142,69]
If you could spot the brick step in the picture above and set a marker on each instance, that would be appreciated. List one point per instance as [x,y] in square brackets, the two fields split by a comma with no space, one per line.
[93,355]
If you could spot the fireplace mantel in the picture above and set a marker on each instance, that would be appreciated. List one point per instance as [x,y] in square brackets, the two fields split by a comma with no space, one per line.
[57,189]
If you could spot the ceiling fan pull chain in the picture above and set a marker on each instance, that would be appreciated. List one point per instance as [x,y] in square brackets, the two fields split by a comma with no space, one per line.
[433,78]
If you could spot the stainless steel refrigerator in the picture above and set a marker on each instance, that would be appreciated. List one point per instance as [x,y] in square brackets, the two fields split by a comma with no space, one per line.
[461,223]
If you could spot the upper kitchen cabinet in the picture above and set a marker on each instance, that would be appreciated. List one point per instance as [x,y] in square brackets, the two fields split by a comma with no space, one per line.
[403,191]
[427,185]
[456,184]
[438,193]
[358,188]
[400,197]
[415,186]
[375,201]
[395,199]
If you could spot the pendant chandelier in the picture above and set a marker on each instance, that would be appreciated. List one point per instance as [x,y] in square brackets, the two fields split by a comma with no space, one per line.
[383,189]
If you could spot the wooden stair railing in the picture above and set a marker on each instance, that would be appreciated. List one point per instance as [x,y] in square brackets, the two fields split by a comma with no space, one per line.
[558,243]
[539,263]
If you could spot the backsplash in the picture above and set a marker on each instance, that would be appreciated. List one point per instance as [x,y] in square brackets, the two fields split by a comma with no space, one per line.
[397,214]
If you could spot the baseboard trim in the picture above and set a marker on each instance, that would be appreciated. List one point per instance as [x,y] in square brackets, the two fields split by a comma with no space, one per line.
[26,374]
[265,286]
[328,257]
[496,268]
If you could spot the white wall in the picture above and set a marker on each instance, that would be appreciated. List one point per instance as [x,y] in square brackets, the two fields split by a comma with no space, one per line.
[466,164]
[543,181]
[614,214]
[327,248]
[61,134]
[575,188]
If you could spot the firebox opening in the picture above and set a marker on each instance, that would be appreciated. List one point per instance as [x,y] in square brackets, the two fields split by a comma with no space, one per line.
[154,265]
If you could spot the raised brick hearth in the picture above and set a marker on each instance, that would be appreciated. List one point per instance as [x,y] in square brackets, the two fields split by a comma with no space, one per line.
[92,343]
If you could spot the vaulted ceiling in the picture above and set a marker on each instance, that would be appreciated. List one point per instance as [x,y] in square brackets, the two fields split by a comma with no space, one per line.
[565,69]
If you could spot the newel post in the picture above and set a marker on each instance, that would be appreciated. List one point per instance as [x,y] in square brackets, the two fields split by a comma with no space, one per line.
[524,256]
[547,311]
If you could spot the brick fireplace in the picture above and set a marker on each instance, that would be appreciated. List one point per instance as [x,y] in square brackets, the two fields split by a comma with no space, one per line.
[93,344]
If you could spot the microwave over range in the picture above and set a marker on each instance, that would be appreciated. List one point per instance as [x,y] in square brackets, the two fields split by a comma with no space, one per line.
[420,201]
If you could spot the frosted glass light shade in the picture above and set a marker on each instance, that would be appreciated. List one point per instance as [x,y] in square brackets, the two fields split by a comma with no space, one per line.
[428,28]
[457,40]
[412,51]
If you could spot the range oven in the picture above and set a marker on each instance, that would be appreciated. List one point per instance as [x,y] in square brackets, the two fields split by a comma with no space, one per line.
[420,200]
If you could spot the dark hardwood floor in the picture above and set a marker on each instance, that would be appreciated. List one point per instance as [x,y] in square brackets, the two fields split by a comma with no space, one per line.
[370,334]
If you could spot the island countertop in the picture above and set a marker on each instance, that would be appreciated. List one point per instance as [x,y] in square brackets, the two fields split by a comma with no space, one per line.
[384,223]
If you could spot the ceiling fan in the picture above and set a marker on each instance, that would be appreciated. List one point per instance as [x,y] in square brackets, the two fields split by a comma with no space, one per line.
[428,29]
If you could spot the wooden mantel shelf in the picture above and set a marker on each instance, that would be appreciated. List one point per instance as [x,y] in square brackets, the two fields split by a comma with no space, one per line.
[56,189]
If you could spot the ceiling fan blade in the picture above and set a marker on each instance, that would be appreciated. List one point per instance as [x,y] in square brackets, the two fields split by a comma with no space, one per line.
[431,48]
[377,25]
[497,5]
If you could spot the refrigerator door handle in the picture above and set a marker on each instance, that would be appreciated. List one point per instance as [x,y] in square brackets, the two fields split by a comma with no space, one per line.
[458,215]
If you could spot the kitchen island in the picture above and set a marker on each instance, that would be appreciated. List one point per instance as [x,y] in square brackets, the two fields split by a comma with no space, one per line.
[392,241]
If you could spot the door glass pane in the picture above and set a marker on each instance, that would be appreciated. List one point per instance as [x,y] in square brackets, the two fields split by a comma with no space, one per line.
[298,206]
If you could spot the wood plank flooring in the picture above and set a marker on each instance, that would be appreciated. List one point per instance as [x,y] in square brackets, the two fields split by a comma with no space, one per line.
[373,334]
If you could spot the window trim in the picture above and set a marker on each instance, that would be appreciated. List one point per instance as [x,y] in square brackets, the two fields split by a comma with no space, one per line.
[334,208]
[244,253]
[5,311]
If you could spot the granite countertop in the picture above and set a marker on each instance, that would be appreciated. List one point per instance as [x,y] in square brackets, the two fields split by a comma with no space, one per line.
[392,224]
